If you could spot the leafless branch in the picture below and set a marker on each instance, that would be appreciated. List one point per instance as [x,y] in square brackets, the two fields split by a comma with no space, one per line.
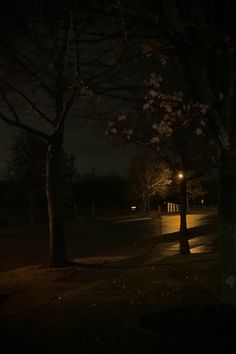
[10,106]
[28,100]
[19,124]
[66,109]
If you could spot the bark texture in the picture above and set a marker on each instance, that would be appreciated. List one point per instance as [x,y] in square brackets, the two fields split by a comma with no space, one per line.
[183,239]
[57,251]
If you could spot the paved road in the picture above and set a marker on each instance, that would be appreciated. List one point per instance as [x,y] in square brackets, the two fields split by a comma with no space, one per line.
[104,240]
[171,223]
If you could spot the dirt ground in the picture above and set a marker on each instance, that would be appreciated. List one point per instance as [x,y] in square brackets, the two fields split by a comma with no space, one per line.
[114,306]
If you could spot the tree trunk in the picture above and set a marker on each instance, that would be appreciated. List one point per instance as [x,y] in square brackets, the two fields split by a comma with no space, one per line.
[144,202]
[147,200]
[92,192]
[57,252]
[31,205]
[227,227]
[183,239]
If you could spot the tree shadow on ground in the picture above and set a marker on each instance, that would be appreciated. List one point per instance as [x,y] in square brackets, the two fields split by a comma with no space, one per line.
[210,225]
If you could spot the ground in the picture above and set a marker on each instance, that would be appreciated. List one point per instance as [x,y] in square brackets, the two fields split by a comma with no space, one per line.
[115,304]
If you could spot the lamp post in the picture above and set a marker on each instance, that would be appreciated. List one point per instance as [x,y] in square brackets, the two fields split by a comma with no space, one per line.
[92,191]
[183,240]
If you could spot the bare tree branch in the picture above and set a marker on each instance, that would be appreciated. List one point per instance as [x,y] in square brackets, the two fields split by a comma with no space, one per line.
[10,106]
[28,100]
[21,61]
[19,124]
[66,109]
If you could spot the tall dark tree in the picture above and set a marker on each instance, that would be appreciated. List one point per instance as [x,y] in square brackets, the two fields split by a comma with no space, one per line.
[26,167]
[96,194]
[34,54]
[55,55]
[203,36]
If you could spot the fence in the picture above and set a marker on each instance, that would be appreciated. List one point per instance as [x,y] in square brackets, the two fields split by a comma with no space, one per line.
[172,208]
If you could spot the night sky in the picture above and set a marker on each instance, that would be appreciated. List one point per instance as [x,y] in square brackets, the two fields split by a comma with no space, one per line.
[90,147]
[93,150]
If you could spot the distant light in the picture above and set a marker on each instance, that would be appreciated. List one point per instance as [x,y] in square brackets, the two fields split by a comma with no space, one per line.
[181,175]
[202,201]
[133,208]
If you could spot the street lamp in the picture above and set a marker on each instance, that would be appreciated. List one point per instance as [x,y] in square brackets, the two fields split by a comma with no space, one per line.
[182,178]
[184,244]
[183,201]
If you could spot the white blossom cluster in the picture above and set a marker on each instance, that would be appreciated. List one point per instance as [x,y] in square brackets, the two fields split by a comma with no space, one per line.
[162,113]
[168,109]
